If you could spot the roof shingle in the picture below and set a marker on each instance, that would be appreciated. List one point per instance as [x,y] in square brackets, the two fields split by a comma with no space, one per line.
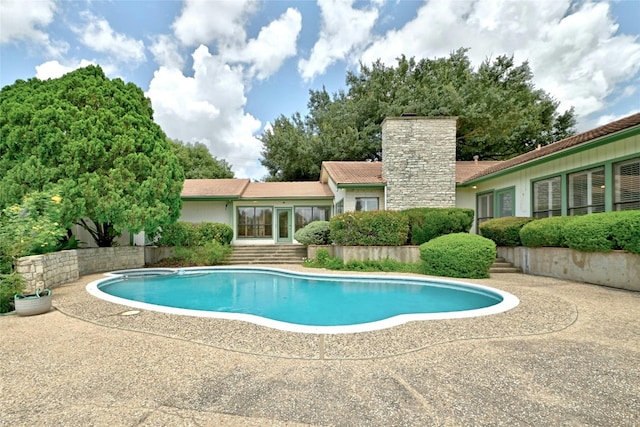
[354,172]
[287,190]
[214,187]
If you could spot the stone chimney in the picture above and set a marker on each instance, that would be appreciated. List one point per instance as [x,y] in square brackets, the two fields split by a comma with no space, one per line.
[419,161]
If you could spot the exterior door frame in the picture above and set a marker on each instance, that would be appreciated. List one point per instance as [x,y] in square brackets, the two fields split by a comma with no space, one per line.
[288,238]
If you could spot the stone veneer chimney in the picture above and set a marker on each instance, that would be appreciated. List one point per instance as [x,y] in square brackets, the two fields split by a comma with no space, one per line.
[419,161]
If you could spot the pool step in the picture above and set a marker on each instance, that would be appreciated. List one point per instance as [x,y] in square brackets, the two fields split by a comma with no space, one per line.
[500,265]
[267,254]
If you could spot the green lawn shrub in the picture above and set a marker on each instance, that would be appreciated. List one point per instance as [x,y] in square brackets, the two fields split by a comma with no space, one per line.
[314,233]
[178,234]
[322,256]
[627,231]
[428,223]
[545,232]
[504,231]
[604,232]
[369,228]
[214,232]
[212,253]
[189,234]
[461,255]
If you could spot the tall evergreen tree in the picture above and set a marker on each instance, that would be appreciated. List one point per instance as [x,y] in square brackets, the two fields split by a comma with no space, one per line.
[500,113]
[198,163]
[95,141]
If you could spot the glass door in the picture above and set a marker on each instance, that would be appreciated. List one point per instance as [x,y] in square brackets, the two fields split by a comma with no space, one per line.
[285,232]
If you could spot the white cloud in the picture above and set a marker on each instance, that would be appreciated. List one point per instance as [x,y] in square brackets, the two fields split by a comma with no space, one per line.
[209,109]
[54,69]
[205,21]
[23,21]
[608,118]
[345,29]
[20,19]
[274,44]
[166,52]
[573,49]
[97,34]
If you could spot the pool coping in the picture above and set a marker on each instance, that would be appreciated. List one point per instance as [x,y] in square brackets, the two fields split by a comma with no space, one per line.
[538,313]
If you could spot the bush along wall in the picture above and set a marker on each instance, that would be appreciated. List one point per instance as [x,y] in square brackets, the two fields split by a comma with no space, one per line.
[459,255]
[374,228]
[190,234]
[314,233]
[504,231]
[545,232]
[428,223]
[604,232]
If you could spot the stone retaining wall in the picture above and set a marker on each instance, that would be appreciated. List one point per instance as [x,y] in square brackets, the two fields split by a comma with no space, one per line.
[57,268]
[49,270]
[153,254]
[96,260]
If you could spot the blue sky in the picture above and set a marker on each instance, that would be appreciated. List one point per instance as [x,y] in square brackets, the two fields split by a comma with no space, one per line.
[219,72]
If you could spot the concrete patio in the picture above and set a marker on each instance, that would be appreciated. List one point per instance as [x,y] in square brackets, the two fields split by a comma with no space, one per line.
[567,355]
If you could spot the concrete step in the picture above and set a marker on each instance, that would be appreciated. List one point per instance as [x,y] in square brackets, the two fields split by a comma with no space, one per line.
[504,270]
[267,254]
[500,265]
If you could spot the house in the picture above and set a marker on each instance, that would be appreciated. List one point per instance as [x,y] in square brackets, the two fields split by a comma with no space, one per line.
[595,171]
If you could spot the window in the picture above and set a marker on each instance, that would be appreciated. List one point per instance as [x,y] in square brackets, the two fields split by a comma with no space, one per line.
[339,208]
[547,198]
[307,214]
[626,185]
[506,202]
[485,207]
[586,191]
[255,222]
[366,203]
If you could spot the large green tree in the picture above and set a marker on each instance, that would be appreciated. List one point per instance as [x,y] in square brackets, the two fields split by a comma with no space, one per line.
[500,112]
[197,161]
[93,140]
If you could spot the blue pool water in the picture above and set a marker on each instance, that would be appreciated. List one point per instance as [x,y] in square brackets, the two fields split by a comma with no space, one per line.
[310,301]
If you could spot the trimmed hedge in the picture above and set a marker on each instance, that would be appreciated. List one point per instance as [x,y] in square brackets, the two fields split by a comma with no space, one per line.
[461,255]
[428,223]
[545,232]
[369,228]
[627,231]
[190,234]
[214,232]
[504,231]
[604,232]
[314,233]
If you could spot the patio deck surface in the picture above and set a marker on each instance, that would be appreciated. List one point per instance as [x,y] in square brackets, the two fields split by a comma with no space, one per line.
[567,355]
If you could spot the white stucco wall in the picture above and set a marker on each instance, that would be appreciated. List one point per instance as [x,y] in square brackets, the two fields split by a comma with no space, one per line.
[206,211]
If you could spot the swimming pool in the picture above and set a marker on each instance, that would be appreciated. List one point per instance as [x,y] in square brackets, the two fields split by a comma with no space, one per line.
[299,302]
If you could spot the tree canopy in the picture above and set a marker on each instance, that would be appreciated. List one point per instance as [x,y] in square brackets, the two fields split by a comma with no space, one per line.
[500,113]
[94,140]
[198,163]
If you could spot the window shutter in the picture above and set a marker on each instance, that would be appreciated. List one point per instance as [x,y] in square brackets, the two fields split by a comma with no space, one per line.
[627,185]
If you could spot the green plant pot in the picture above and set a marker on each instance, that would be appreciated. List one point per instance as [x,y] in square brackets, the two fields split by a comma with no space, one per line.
[29,305]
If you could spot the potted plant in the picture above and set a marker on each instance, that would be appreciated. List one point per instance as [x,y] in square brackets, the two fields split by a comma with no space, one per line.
[31,228]
[30,304]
